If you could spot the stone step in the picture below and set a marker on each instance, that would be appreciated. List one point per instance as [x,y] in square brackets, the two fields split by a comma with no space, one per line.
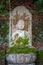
[22,64]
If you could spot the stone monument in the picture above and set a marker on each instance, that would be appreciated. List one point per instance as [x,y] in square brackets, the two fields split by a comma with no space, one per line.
[20,37]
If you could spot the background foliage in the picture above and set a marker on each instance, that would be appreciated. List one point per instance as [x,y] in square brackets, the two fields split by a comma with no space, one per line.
[4,29]
[4,11]
[37,28]
[38,31]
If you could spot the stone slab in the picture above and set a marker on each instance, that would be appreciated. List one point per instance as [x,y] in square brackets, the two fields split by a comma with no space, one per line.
[22,64]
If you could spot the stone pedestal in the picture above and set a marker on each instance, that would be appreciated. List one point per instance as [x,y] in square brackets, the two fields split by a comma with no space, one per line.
[21,58]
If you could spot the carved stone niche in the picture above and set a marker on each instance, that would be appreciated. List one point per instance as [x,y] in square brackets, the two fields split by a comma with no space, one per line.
[21,19]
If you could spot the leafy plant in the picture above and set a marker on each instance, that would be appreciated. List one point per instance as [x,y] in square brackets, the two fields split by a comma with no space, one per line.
[4,30]
[4,7]
[39,4]
[39,60]
[17,50]
[22,41]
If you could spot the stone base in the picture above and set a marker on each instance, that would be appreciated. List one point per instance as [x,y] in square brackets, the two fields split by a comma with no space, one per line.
[22,64]
[21,58]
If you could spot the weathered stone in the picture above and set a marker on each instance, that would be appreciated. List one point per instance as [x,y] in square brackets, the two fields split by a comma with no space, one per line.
[12,64]
[33,57]
[20,58]
[22,64]
[27,58]
[31,64]
[11,58]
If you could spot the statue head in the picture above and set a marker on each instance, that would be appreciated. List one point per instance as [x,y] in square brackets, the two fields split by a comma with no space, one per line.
[20,24]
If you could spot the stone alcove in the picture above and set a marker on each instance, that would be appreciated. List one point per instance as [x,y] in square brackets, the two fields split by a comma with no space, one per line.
[21,13]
